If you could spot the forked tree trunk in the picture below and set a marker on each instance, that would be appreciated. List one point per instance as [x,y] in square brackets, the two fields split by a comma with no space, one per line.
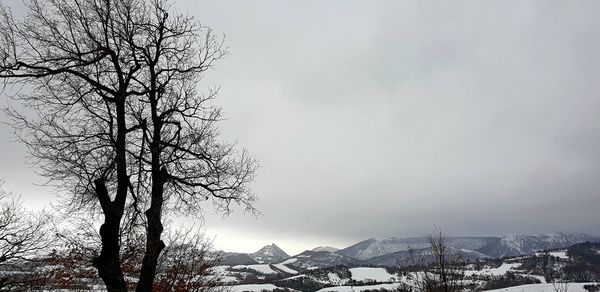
[154,245]
[108,262]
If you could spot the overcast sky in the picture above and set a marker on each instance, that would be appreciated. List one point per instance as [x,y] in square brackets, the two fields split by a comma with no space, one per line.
[385,118]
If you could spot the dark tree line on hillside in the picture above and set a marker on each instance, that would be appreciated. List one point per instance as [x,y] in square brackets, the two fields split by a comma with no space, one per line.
[115,120]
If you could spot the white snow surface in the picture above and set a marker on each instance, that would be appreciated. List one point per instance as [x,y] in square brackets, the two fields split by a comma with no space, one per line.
[252,287]
[371,274]
[285,269]
[229,279]
[572,287]
[262,268]
[539,277]
[334,279]
[499,271]
[289,261]
[219,269]
[295,277]
[561,254]
[389,287]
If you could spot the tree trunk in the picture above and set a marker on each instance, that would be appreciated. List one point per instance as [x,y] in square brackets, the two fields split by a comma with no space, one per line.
[154,245]
[108,262]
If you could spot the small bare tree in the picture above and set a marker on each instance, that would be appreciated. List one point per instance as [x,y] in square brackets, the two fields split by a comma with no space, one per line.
[187,264]
[552,272]
[23,236]
[442,270]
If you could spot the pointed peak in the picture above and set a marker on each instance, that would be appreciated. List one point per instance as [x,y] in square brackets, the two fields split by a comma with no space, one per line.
[270,254]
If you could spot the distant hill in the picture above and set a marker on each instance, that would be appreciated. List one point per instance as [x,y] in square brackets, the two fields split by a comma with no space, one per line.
[372,248]
[234,259]
[320,259]
[395,249]
[523,244]
[325,248]
[269,254]
[579,265]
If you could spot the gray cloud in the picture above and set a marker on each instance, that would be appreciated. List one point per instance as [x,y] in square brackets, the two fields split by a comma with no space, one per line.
[385,118]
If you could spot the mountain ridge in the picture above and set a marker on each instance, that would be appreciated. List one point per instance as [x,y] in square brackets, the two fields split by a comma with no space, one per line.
[394,249]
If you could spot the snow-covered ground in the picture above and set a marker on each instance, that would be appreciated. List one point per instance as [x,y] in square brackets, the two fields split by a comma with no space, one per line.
[228,279]
[219,269]
[499,271]
[334,279]
[263,268]
[561,254]
[289,261]
[542,279]
[389,287]
[572,287]
[285,269]
[252,288]
[295,277]
[371,274]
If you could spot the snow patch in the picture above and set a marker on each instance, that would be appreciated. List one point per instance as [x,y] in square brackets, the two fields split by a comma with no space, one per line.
[263,269]
[289,261]
[561,254]
[573,287]
[252,287]
[285,269]
[334,279]
[388,287]
[499,271]
[371,274]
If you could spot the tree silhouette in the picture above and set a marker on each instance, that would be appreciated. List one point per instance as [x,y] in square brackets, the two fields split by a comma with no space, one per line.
[114,118]
[23,235]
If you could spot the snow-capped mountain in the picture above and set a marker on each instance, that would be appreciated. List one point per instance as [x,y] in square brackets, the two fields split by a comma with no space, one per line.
[269,254]
[392,249]
[367,249]
[372,248]
[325,248]
[320,259]
[421,256]
[523,244]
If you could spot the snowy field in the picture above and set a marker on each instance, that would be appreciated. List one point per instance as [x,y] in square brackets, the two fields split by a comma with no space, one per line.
[263,269]
[252,288]
[572,287]
[389,287]
[561,254]
[371,274]
[499,271]
[282,267]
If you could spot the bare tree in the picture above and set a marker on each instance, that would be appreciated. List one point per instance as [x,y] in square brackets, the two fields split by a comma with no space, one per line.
[23,235]
[115,119]
[187,264]
[442,270]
